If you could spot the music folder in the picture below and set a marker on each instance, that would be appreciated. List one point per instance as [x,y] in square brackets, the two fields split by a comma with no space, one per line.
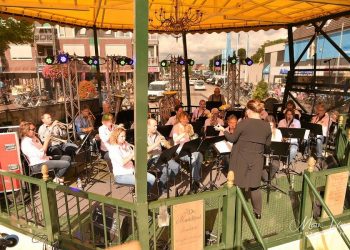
[166,156]
[279,148]
[190,147]
[315,129]
[293,133]
[210,141]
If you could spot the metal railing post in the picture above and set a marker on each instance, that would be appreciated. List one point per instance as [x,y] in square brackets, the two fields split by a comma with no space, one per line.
[50,211]
[229,213]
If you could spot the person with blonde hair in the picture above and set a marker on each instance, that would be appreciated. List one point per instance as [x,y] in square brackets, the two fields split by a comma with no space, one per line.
[122,155]
[35,152]
[249,139]
[214,119]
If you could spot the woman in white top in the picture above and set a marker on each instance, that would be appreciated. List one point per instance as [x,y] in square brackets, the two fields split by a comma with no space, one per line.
[122,156]
[35,152]
[182,132]
[201,111]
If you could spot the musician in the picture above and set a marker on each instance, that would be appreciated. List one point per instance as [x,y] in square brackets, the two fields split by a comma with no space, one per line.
[154,148]
[290,122]
[247,160]
[174,119]
[182,132]
[84,123]
[217,97]
[277,137]
[104,132]
[35,152]
[323,119]
[214,119]
[291,105]
[53,129]
[106,108]
[201,111]
[122,155]
[231,124]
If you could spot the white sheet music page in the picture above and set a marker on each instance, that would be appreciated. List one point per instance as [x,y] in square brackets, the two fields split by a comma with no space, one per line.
[223,147]
[307,133]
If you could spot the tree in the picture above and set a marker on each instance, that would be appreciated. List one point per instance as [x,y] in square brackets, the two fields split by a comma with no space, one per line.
[242,53]
[16,32]
[259,54]
[261,90]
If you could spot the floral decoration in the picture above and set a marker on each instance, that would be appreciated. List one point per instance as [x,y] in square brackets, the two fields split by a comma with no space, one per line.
[86,89]
[55,71]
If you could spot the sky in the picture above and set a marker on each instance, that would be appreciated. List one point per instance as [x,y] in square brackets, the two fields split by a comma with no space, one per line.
[202,47]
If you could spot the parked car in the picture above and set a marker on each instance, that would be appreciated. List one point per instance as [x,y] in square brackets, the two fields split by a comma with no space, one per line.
[193,81]
[199,85]
[209,80]
[156,89]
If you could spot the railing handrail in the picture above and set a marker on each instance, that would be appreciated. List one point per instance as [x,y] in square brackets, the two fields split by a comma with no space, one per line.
[250,218]
[328,211]
[326,172]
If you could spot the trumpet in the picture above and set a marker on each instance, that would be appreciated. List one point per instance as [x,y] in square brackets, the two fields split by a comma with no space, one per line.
[92,115]
[163,141]
[58,139]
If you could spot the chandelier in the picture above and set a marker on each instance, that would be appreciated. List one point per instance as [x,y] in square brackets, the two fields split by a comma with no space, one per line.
[177,20]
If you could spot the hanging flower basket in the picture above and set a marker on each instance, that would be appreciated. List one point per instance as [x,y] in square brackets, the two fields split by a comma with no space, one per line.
[86,89]
[55,71]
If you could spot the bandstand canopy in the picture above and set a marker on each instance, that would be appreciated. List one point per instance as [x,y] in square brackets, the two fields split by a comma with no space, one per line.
[218,15]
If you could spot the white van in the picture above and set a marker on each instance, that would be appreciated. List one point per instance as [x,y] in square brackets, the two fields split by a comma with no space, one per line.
[156,89]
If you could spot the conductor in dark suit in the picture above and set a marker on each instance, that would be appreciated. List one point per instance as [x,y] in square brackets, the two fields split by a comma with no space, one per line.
[249,140]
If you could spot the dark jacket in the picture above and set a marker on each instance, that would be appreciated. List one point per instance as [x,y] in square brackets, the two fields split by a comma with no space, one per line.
[249,141]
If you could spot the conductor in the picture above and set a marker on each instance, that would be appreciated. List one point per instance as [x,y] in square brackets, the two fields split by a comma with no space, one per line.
[246,159]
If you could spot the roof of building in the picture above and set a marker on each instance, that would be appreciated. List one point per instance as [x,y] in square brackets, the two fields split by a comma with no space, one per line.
[331,26]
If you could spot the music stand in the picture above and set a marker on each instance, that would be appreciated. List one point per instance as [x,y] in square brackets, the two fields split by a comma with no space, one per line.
[164,158]
[290,133]
[210,131]
[315,130]
[165,130]
[211,104]
[187,149]
[204,145]
[276,149]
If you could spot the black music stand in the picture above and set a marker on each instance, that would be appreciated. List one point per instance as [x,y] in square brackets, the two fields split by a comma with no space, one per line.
[315,130]
[164,158]
[187,149]
[205,144]
[290,133]
[276,149]
[165,130]
[211,104]
[210,131]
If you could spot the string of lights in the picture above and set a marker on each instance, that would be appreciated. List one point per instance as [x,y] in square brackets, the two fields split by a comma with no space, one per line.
[89,60]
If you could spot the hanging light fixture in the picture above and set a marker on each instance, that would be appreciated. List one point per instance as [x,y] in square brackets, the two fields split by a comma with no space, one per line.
[190,62]
[49,60]
[248,61]
[63,58]
[176,20]
[217,63]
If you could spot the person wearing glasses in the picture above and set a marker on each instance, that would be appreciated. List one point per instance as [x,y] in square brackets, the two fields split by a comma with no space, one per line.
[199,112]
[35,153]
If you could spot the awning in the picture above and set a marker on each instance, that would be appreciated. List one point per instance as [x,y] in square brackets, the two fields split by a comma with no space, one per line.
[266,70]
[228,15]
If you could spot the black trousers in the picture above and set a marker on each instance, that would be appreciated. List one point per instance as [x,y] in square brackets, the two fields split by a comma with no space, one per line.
[256,198]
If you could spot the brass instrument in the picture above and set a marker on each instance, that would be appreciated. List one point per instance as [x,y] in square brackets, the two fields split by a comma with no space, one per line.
[64,125]
[58,139]
[166,144]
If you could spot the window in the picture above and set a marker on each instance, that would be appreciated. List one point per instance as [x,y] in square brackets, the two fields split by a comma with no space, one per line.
[108,33]
[21,52]
[72,49]
[82,32]
[116,50]
[66,32]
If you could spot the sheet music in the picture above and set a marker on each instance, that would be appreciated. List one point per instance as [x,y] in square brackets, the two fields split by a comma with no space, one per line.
[307,133]
[223,147]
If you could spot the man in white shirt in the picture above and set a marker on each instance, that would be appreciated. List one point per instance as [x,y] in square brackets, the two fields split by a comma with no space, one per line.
[290,122]
[154,149]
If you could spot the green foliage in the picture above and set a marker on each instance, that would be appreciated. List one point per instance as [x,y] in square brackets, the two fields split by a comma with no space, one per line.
[242,53]
[261,90]
[16,32]
[259,54]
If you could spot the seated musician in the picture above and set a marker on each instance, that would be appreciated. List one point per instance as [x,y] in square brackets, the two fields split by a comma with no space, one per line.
[174,119]
[201,111]
[291,105]
[55,129]
[276,136]
[122,155]
[35,152]
[217,97]
[182,132]
[231,126]
[214,119]
[290,122]
[104,132]
[155,141]
[324,120]
[84,123]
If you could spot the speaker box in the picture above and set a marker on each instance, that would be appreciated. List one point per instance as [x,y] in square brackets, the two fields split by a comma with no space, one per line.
[125,224]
